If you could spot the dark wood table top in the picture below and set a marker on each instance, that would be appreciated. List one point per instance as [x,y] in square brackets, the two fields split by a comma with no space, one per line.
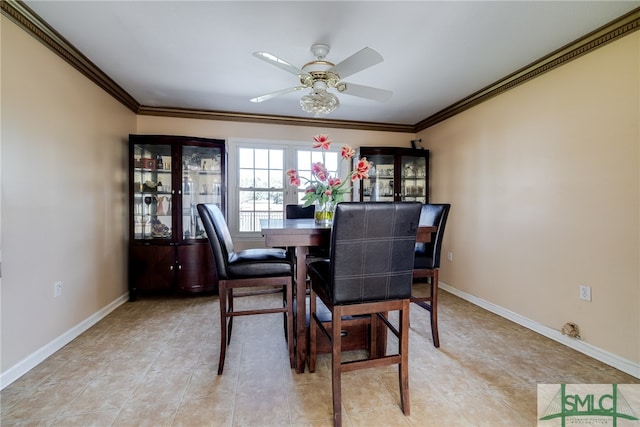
[293,232]
[305,232]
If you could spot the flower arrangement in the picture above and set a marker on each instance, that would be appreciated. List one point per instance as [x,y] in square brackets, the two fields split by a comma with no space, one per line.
[324,190]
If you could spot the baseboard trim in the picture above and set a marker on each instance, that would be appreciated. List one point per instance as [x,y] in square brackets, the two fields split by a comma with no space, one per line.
[603,356]
[35,358]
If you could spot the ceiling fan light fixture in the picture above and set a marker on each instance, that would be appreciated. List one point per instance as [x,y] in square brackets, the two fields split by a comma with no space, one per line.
[319,102]
[320,75]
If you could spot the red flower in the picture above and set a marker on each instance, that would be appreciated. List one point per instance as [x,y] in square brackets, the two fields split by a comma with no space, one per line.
[294,179]
[322,141]
[361,170]
[320,171]
[333,182]
[347,152]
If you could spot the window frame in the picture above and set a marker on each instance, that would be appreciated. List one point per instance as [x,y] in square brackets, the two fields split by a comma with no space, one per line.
[290,149]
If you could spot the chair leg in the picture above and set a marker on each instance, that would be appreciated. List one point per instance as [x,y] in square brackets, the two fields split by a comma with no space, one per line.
[285,316]
[312,332]
[434,309]
[230,310]
[336,365]
[222,291]
[403,368]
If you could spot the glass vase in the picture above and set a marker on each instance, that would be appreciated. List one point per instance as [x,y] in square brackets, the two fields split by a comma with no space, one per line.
[324,214]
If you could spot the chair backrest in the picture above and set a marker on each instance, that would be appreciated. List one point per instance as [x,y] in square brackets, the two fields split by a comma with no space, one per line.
[372,251]
[297,211]
[428,254]
[218,234]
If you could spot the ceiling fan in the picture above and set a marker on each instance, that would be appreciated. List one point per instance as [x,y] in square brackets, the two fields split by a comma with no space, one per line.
[320,75]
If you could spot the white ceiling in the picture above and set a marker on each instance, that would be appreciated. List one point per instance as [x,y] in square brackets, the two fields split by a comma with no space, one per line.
[198,54]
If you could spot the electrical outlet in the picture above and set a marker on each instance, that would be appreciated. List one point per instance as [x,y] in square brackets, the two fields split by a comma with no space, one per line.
[450,256]
[585,292]
[57,289]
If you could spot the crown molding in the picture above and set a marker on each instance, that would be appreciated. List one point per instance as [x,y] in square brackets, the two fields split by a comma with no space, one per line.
[24,17]
[614,30]
[271,119]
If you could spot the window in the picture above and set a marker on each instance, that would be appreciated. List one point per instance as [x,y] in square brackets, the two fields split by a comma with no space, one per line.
[258,186]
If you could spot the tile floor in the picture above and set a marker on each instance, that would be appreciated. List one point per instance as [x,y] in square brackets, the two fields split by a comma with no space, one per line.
[153,363]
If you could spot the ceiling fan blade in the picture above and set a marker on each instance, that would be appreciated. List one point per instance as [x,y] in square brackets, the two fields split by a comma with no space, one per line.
[271,95]
[365,58]
[368,92]
[280,63]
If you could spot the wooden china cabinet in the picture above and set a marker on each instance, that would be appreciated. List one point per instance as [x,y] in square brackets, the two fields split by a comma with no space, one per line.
[168,177]
[397,174]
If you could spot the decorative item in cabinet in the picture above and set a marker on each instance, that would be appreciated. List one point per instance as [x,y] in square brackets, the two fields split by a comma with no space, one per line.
[151,191]
[397,174]
[201,183]
[169,176]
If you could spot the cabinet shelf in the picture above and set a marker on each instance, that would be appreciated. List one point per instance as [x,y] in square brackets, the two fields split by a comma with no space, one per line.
[150,236]
[152,193]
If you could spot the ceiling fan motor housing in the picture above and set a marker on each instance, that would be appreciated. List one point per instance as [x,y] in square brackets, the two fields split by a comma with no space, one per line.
[318,70]
[329,78]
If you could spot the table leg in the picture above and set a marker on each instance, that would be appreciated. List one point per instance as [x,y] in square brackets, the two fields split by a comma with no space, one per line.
[301,307]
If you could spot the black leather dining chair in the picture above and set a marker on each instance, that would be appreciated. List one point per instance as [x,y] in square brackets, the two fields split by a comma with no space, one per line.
[427,261]
[369,273]
[250,268]
[299,211]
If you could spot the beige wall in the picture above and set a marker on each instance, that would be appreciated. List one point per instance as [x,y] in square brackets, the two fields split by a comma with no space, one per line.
[225,130]
[545,186]
[63,196]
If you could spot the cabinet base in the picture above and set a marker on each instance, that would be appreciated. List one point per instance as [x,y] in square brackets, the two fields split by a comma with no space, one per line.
[134,294]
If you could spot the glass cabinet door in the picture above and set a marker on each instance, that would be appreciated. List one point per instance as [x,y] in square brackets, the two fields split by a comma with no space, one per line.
[397,174]
[413,183]
[201,183]
[380,185]
[151,191]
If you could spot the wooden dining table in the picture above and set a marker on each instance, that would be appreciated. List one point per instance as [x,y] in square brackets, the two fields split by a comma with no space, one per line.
[302,234]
